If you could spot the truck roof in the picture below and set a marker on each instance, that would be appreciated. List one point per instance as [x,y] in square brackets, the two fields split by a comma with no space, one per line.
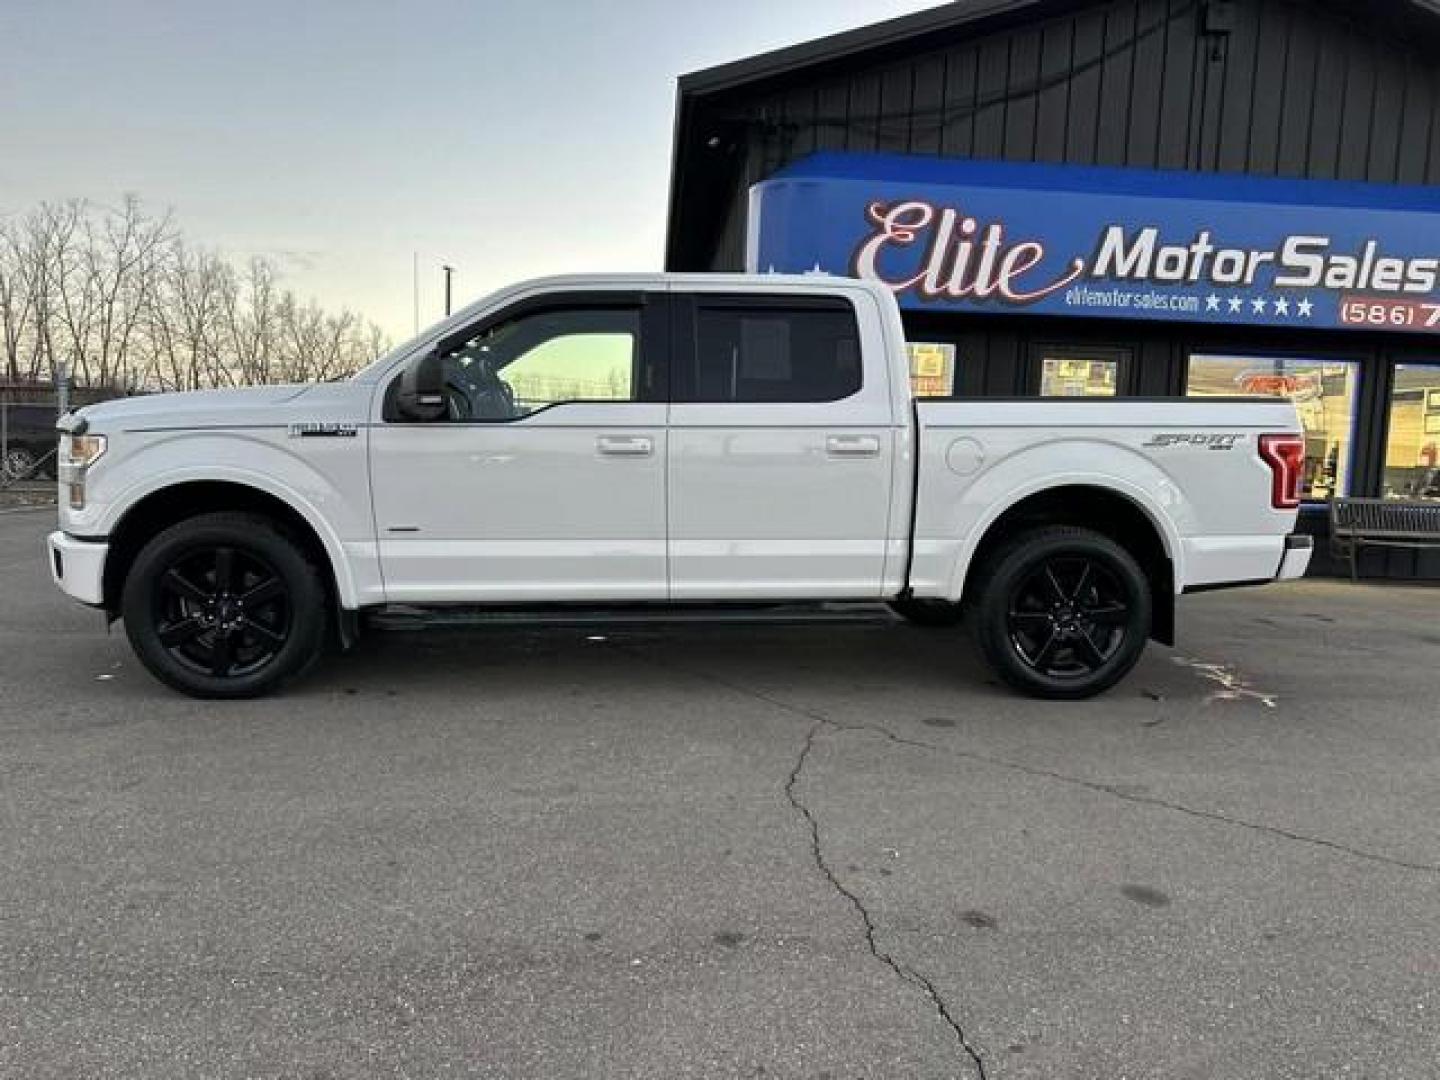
[656,279]
[773,283]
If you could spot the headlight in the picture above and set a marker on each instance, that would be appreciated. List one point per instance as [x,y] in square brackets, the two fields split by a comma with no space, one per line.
[77,454]
[81,451]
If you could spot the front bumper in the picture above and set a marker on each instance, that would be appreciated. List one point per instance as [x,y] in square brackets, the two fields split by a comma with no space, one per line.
[78,567]
[1298,552]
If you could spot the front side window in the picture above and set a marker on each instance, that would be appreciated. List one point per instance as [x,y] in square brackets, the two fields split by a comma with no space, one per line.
[544,358]
[773,354]
[1412,450]
[1324,393]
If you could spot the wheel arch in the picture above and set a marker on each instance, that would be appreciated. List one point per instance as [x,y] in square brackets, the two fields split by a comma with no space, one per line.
[165,506]
[1113,513]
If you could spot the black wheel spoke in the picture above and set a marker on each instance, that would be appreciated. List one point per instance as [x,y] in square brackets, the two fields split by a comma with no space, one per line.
[1086,575]
[263,632]
[221,655]
[267,590]
[1088,652]
[1046,656]
[178,633]
[224,568]
[1030,622]
[1113,614]
[1057,592]
[183,586]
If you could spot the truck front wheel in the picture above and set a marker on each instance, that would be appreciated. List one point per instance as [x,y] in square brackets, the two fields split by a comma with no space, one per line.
[224,605]
[1062,613]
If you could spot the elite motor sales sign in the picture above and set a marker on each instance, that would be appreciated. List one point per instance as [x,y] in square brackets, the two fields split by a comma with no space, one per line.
[1108,243]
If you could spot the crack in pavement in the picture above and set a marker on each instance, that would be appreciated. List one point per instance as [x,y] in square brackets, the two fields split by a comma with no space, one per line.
[818,724]
[904,971]
[1144,800]
[1075,781]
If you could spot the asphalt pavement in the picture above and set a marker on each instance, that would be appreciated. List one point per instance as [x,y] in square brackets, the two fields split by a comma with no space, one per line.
[726,851]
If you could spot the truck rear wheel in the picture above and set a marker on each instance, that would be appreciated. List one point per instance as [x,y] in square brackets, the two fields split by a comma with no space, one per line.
[1062,613]
[224,605]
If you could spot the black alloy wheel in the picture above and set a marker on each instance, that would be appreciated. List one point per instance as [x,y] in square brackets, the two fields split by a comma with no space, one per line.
[1061,612]
[1067,617]
[225,605]
[223,611]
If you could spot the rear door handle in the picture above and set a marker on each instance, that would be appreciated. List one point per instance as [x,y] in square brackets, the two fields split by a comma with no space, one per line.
[625,445]
[853,446]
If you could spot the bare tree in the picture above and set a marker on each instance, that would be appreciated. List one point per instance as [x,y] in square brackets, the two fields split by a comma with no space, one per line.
[125,302]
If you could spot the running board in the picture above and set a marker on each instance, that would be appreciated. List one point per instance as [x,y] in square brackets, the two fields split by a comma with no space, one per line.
[406,617]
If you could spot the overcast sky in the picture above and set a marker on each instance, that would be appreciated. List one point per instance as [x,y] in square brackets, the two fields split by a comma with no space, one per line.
[340,136]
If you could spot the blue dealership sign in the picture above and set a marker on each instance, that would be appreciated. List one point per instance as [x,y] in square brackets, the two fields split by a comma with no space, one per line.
[950,234]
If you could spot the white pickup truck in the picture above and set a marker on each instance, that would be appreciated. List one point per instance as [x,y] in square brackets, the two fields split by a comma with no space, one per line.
[665,440]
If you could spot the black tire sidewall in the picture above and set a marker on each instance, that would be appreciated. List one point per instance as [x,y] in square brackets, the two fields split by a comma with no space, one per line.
[1009,568]
[258,536]
[25,467]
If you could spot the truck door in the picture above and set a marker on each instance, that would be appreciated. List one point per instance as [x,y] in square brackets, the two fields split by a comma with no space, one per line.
[781,448]
[546,478]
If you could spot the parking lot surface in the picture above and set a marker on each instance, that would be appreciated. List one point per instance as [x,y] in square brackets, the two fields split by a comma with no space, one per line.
[759,851]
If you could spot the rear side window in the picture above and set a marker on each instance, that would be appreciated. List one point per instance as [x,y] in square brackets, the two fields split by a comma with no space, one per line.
[765,353]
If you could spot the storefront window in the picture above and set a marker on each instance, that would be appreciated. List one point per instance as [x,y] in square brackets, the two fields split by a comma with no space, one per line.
[1323,392]
[1412,452]
[932,369]
[1064,375]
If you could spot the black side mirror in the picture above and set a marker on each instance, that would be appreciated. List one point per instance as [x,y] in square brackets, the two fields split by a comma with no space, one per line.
[421,396]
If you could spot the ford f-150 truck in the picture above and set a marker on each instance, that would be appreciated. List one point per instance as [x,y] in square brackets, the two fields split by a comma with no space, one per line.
[665,440]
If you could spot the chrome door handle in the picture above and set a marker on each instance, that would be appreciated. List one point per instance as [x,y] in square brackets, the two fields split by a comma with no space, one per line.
[625,445]
[853,446]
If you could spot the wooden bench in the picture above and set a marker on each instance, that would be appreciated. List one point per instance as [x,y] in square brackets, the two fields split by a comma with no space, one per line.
[1359,523]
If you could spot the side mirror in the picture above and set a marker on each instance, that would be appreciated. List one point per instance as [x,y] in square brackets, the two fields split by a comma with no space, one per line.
[421,396]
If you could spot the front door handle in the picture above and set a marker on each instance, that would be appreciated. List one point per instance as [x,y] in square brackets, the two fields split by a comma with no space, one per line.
[853,446]
[625,445]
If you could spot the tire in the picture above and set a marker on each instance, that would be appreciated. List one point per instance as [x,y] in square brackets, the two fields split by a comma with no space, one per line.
[1062,613]
[225,605]
[19,464]
[932,613]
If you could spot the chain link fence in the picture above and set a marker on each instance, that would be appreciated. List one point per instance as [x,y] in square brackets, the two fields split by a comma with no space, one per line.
[28,440]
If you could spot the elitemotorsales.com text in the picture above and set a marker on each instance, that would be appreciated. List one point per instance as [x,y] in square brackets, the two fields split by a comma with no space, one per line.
[1301,262]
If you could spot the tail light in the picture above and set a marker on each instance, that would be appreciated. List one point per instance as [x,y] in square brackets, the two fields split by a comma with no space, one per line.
[1285,454]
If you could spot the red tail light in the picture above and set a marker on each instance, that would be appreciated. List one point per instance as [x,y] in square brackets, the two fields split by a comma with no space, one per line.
[1285,454]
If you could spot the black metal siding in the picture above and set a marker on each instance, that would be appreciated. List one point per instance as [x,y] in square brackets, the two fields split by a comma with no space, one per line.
[1315,89]
[1300,88]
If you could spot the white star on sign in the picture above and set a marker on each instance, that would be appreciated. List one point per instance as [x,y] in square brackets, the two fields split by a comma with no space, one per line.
[1212,303]
[1282,307]
[1306,308]
[1258,305]
[1235,305]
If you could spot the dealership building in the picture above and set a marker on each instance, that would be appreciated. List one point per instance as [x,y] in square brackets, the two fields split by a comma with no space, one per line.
[1127,198]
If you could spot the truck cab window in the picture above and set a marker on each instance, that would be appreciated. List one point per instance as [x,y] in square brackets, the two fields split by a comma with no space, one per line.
[766,354]
[517,367]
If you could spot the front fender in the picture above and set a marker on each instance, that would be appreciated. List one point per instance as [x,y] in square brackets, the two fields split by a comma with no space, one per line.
[327,488]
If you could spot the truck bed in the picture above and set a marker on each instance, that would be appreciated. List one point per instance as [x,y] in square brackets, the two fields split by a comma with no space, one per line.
[1191,465]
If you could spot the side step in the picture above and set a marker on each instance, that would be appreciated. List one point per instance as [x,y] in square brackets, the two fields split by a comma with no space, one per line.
[552,616]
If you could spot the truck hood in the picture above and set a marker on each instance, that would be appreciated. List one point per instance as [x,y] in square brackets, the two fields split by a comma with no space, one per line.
[257,406]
